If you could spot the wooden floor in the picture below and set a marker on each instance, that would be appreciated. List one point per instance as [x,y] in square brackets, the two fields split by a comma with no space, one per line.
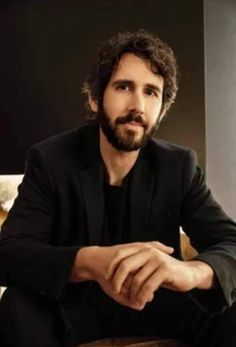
[134,342]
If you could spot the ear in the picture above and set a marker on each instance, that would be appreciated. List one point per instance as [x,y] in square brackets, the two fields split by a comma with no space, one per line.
[92,103]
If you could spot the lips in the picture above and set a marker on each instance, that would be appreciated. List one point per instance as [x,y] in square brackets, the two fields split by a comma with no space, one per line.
[132,121]
[133,124]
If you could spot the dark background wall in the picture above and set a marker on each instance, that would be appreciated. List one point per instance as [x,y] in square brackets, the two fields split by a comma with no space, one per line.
[46,49]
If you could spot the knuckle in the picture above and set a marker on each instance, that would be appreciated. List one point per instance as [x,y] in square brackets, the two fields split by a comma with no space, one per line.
[157,245]
[119,253]
[148,245]
[154,252]
[145,246]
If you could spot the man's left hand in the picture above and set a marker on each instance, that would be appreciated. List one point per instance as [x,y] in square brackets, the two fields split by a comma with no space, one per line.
[149,269]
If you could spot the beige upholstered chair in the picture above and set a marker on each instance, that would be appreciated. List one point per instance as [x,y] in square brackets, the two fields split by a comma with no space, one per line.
[8,193]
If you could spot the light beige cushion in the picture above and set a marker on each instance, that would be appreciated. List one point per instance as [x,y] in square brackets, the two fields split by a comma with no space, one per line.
[8,190]
[8,193]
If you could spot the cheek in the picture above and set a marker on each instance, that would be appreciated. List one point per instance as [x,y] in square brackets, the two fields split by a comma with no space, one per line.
[153,112]
[113,105]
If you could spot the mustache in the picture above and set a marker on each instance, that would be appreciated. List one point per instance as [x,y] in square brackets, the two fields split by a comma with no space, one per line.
[131,117]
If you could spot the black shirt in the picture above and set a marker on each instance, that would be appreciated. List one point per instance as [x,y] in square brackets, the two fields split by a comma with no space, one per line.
[115,212]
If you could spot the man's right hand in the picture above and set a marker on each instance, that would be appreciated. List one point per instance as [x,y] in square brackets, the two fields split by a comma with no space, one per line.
[93,263]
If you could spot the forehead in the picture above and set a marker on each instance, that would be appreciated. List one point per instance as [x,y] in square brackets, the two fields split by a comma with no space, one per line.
[130,67]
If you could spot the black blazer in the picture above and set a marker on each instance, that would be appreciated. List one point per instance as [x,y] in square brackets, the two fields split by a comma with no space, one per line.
[60,208]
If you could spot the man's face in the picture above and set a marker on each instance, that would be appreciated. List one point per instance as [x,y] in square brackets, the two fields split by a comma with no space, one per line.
[131,104]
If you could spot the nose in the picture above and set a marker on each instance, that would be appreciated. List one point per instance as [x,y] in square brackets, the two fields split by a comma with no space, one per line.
[136,103]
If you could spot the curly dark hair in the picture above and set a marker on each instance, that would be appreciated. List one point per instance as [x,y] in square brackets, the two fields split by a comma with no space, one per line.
[145,46]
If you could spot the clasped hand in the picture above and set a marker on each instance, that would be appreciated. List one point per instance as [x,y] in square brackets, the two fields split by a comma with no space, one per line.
[131,273]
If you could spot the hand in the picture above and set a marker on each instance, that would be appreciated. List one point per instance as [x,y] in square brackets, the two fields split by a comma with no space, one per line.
[93,263]
[122,297]
[119,253]
[151,268]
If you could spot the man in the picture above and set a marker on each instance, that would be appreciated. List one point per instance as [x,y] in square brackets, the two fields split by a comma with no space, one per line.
[91,248]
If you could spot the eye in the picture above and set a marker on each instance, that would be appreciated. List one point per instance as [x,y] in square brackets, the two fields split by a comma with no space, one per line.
[123,87]
[151,92]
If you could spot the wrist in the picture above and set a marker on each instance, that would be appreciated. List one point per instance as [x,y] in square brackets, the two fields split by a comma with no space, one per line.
[83,264]
[203,274]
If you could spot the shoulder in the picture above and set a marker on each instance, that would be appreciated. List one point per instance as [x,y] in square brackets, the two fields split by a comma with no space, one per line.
[65,149]
[75,141]
[167,152]
[175,163]
[172,162]
[74,137]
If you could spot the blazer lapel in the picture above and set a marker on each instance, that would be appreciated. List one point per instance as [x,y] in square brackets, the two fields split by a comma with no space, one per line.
[141,191]
[94,201]
[92,177]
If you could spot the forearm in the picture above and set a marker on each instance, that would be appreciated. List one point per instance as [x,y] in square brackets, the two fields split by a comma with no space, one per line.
[43,269]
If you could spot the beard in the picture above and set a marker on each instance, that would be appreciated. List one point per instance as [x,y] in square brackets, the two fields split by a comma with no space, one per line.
[126,140]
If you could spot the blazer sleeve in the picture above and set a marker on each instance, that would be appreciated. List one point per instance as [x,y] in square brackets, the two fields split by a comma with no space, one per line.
[27,257]
[212,232]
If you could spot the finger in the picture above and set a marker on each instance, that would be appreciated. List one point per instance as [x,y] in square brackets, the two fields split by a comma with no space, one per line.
[161,247]
[124,291]
[140,278]
[151,285]
[123,252]
[129,265]
[127,283]
[123,299]
[126,250]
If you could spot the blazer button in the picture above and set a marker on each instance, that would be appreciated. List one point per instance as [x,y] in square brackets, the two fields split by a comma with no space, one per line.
[233,294]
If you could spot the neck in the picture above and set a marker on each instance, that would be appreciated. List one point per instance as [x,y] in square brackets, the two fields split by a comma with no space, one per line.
[117,163]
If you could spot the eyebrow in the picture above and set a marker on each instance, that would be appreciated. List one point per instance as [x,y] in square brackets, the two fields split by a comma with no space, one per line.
[129,82]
